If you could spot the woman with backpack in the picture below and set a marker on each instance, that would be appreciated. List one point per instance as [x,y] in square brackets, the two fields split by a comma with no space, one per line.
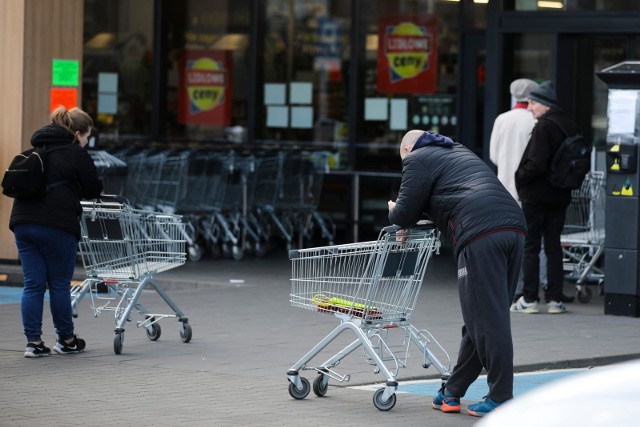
[47,229]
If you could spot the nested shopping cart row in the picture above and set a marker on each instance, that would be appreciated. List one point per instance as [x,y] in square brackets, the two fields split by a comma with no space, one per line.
[231,203]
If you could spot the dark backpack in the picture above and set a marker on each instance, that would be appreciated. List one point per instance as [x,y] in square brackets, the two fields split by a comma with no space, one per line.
[25,177]
[571,162]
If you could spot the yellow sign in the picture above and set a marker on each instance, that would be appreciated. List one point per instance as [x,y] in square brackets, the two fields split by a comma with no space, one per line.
[205,85]
[615,166]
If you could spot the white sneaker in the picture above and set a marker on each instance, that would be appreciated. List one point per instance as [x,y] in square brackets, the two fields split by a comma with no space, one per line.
[556,307]
[521,306]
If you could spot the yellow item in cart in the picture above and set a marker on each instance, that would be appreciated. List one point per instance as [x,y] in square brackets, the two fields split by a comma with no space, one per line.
[339,305]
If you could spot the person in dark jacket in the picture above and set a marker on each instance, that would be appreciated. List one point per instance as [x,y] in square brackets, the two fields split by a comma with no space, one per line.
[458,191]
[47,230]
[544,206]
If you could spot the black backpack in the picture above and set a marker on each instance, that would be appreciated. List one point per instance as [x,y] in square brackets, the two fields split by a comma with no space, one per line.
[25,177]
[571,162]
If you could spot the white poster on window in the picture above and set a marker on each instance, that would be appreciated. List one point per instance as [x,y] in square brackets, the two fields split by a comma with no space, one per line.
[375,109]
[107,93]
[108,82]
[302,117]
[300,93]
[275,93]
[277,116]
[399,114]
[107,103]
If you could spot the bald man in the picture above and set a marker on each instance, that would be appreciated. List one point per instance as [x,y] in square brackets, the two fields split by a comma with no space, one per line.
[458,191]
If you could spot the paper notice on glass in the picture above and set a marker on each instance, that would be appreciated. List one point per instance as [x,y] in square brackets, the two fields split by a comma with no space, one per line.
[107,103]
[300,93]
[275,93]
[108,82]
[375,109]
[302,117]
[622,111]
[399,114]
[277,117]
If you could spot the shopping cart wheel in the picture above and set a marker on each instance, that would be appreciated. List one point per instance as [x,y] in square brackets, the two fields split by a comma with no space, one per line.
[260,249]
[194,252]
[381,404]
[154,331]
[237,252]
[584,294]
[185,333]
[300,394]
[321,385]
[117,343]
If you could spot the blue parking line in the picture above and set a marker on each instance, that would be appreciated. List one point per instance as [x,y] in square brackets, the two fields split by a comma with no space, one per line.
[522,383]
[13,295]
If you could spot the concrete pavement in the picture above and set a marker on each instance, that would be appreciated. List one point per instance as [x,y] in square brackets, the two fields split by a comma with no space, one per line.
[246,335]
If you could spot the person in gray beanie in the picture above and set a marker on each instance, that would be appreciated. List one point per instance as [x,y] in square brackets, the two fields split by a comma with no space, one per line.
[509,137]
[543,205]
[545,94]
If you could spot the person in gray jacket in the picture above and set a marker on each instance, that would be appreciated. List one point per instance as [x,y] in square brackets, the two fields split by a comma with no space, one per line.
[458,191]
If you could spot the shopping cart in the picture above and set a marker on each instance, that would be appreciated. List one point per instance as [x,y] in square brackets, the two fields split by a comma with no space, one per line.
[372,287]
[122,249]
[583,236]
[112,171]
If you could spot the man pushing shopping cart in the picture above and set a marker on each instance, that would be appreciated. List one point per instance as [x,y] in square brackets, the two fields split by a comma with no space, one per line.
[372,286]
[467,202]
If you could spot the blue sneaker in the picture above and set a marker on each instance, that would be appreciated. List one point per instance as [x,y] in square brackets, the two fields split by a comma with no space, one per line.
[482,408]
[446,402]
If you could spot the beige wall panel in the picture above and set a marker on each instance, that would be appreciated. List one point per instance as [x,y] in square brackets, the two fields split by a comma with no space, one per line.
[11,105]
[53,31]
[32,34]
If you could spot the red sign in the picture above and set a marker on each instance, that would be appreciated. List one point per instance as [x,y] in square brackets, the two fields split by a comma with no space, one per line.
[67,97]
[407,54]
[204,94]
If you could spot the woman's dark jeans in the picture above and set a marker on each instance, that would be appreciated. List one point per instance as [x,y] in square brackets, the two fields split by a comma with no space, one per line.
[48,257]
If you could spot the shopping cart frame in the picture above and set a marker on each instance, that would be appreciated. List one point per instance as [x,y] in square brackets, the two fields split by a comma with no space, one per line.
[122,249]
[583,235]
[389,274]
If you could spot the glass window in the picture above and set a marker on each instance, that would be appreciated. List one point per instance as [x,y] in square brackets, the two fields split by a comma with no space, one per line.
[410,76]
[531,57]
[207,76]
[303,90]
[116,75]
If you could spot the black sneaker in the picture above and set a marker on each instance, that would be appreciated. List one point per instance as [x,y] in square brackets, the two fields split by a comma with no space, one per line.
[76,346]
[36,350]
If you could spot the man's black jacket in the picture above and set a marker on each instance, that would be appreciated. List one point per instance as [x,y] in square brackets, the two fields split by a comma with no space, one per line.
[456,190]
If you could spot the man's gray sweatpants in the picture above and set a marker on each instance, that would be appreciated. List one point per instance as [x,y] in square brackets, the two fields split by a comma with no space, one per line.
[488,269]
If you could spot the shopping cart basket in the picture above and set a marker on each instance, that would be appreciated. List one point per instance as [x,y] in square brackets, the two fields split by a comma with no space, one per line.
[372,287]
[583,235]
[122,249]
